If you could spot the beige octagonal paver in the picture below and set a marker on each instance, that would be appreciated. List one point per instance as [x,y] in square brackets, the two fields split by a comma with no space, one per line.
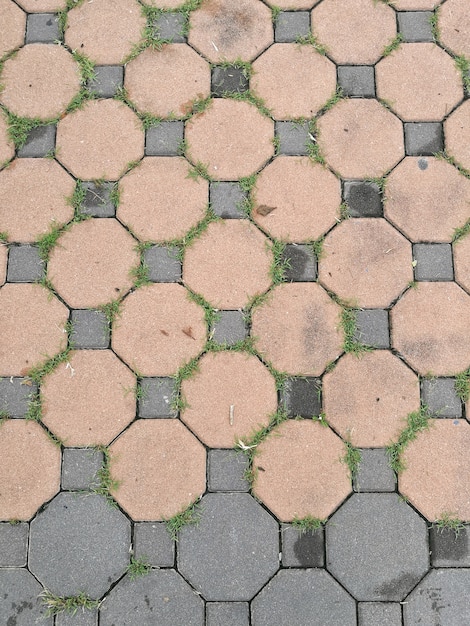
[159,330]
[12,25]
[232,138]
[31,326]
[297,329]
[345,138]
[296,199]
[160,467]
[367,399]
[427,198]
[299,472]
[231,396]
[415,5]
[287,5]
[462,263]
[294,81]
[100,140]
[105,32]
[454,26]
[354,32]
[30,473]
[166,82]
[437,467]
[90,399]
[39,81]
[420,81]
[7,149]
[33,198]
[457,134]
[430,328]
[229,264]
[42,6]
[159,201]
[367,262]
[223,30]
[91,263]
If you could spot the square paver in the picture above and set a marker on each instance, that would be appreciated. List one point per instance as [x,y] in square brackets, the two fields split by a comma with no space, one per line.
[153,543]
[372,328]
[164,139]
[13,544]
[383,613]
[226,200]
[302,549]
[229,328]
[24,264]
[156,397]
[97,202]
[226,469]
[40,142]
[108,79]
[363,198]
[15,394]
[42,28]
[290,25]
[374,472]
[357,80]
[423,138]
[440,397]
[81,618]
[302,397]
[228,79]
[227,614]
[169,26]
[449,548]
[90,329]
[80,468]
[293,137]
[433,261]
[415,26]
[302,263]
[163,264]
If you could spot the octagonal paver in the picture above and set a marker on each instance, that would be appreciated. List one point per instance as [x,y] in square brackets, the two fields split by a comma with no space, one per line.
[13,26]
[7,149]
[427,199]
[436,472]
[229,264]
[159,329]
[225,380]
[39,81]
[297,329]
[79,544]
[224,31]
[41,6]
[20,605]
[90,399]
[376,546]
[420,81]
[90,265]
[304,597]
[462,262]
[230,524]
[31,325]
[337,24]
[105,32]
[367,400]
[415,5]
[286,5]
[294,81]
[3,263]
[165,82]
[100,140]
[33,198]
[232,138]
[159,201]
[296,200]
[30,469]
[457,133]
[454,23]
[160,467]
[430,328]
[299,472]
[344,138]
[367,262]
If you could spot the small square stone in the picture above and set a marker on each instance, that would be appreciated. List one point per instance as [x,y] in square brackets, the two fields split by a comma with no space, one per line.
[415,26]
[13,544]
[372,328]
[163,264]
[228,79]
[227,614]
[164,139]
[153,543]
[42,28]
[169,26]
[24,264]
[40,142]
[156,397]
[226,471]
[90,329]
[302,549]
[80,468]
[290,25]
[374,472]
[379,613]
[302,263]
[440,397]
[433,261]
[302,397]
[293,137]
[226,200]
[423,138]
[357,80]
[449,548]
[15,394]
[80,618]
[363,198]
[229,328]
[107,80]
[97,202]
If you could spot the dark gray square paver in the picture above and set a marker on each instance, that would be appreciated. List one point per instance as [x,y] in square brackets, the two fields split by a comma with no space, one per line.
[363,198]
[90,329]
[156,397]
[293,137]
[13,544]
[81,618]
[153,543]
[372,328]
[169,26]
[433,261]
[374,472]
[165,139]
[302,549]
[80,468]
[415,26]
[302,397]
[40,142]
[163,264]
[24,264]
[423,138]
[440,397]
[42,28]
[226,200]
[290,25]
[379,613]
[97,202]
[108,79]
[227,614]
[229,327]
[302,263]
[449,548]
[15,394]
[226,471]
[357,80]
[228,79]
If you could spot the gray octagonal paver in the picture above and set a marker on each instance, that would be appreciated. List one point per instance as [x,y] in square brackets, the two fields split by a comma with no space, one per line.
[377,547]
[233,551]
[19,604]
[79,544]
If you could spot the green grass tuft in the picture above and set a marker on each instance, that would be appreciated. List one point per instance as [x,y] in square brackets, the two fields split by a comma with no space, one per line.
[462,385]
[37,373]
[449,521]
[199,170]
[3,237]
[461,232]
[308,523]
[416,422]
[348,324]
[352,458]
[190,516]
[434,21]
[280,263]
[86,65]
[311,40]
[250,97]
[463,65]
[20,127]
[111,310]
[106,483]
[138,567]
[66,604]
[393,45]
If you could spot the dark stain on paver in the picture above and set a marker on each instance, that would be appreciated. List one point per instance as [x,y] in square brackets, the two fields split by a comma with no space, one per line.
[307,546]
[231,23]
[423,164]
[397,586]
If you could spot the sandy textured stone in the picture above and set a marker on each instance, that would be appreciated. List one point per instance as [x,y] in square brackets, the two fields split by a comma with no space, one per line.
[3,263]
[39,81]
[462,262]
[225,380]
[232,139]
[33,198]
[287,5]
[345,138]
[91,264]
[297,329]
[229,264]
[161,467]
[366,262]
[286,70]
[166,82]
[457,133]
[415,5]
[7,149]
[30,472]
[42,6]
[296,200]
[454,26]
[159,201]
[420,81]
[427,199]
[12,26]
[100,140]
[430,328]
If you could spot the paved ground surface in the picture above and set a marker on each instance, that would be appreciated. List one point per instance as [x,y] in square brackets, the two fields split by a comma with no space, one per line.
[234,313]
